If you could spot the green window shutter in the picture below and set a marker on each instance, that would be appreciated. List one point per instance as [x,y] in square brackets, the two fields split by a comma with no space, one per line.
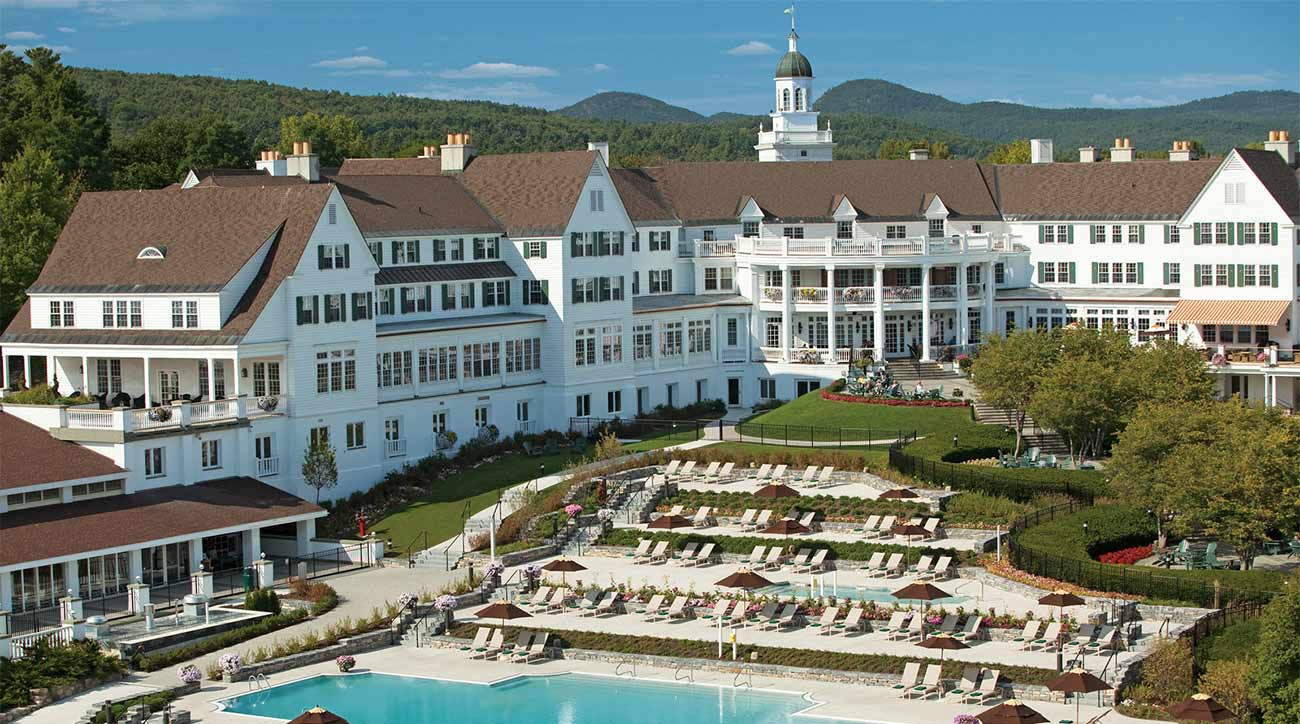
[1166,273]
[1040,271]
[1094,272]
[1141,272]
[1166,228]
[1241,231]
[546,288]
[1073,278]
[1196,233]
[508,285]
[1232,234]
[543,250]
[1232,275]
[1273,276]
[1142,234]
[1273,237]
[1092,233]
[483,293]
[1042,230]
[320,257]
[1069,234]
[447,301]
[527,252]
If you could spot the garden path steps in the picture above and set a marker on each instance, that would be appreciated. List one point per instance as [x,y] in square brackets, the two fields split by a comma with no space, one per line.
[1049,441]
[908,370]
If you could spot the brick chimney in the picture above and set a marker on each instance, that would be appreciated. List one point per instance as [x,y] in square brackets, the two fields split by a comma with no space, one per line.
[1087,154]
[1182,151]
[302,162]
[272,162]
[1122,152]
[457,152]
[1281,142]
[1040,150]
[429,152]
[919,154]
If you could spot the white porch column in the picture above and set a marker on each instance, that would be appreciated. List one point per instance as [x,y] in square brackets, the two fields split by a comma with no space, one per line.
[27,370]
[135,564]
[6,594]
[85,375]
[252,540]
[234,372]
[990,288]
[196,553]
[304,531]
[925,312]
[50,374]
[787,308]
[72,578]
[655,335]
[830,312]
[963,301]
[879,314]
[717,335]
[4,381]
[212,375]
[148,396]
[686,341]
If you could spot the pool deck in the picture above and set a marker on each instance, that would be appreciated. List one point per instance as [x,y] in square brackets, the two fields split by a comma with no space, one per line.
[838,701]
[955,542]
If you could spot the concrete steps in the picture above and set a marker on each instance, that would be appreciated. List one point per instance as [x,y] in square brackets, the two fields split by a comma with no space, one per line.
[1046,440]
[909,370]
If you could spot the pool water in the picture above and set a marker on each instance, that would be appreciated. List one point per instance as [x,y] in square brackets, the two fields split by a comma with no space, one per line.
[861,593]
[370,698]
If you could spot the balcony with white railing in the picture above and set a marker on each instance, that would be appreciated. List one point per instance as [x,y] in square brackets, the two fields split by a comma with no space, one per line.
[715,249]
[773,137]
[395,448]
[176,416]
[268,467]
[866,246]
[855,295]
[943,292]
[902,294]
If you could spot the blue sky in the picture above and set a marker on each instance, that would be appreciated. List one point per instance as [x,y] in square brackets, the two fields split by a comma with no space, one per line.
[707,56]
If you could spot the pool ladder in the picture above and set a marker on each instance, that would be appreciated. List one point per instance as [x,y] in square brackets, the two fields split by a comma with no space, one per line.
[630,670]
[258,681]
[748,675]
[690,672]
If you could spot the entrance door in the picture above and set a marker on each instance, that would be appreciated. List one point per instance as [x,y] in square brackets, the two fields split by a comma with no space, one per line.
[894,343]
[733,391]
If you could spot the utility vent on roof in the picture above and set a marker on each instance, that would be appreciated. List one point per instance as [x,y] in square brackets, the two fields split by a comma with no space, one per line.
[595,170]
[1234,164]
[152,252]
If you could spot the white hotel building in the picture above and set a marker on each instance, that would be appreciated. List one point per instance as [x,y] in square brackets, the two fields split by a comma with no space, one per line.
[239,314]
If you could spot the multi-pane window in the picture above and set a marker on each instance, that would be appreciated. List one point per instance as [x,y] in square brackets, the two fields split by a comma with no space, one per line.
[733,331]
[844,230]
[169,385]
[332,256]
[122,314]
[662,240]
[61,314]
[642,342]
[406,252]
[1173,234]
[218,380]
[1135,233]
[661,281]
[1099,234]
[415,299]
[336,370]
[482,359]
[1207,274]
[584,290]
[1058,273]
[596,199]
[335,308]
[534,291]
[496,294]
[376,251]
[895,231]
[1205,233]
[482,416]
[792,232]
[1220,233]
[266,378]
[362,303]
[1265,233]
[999,273]
[772,333]
[210,454]
[489,248]
[583,408]
[700,335]
[1265,275]
[598,243]
[584,346]
[523,355]
[749,229]
[393,428]
[448,249]
[154,462]
[439,422]
[466,295]
[356,435]
[670,339]
[308,310]
[393,368]
[1221,274]
[611,343]
[318,436]
[1175,273]
[936,228]
[718,278]
[386,304]
[614,402]
[108,376]
[437,364]
[767,388]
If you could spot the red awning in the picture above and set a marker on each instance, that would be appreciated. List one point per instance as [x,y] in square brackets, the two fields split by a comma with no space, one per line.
[1205,311]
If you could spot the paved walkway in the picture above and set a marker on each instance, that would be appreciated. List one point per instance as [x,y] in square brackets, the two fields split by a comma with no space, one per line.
[70,710]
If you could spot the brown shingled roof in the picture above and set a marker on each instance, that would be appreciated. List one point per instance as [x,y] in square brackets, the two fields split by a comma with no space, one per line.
[30,456]
[531,194]
[395,205]
[391,167]
[1280,178]
[176,510]
[640,195]
[1134,190]
[711,192]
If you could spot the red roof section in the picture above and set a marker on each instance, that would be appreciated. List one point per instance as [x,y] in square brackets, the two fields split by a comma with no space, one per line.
[29,455]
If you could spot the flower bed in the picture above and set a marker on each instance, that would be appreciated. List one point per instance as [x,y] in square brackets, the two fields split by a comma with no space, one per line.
[1126,556]
[1004,569]
[892,401]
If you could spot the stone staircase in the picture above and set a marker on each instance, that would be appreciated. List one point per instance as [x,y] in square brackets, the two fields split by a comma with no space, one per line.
[1048,441]
[910,370]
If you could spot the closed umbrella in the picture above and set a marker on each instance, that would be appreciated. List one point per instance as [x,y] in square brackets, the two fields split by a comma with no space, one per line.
[744,578]
[1077,682]
[776,490]
[943,642]
[785,526]
[563,566]
[899,494]
[669,522]
[317,715]
[1200,707]
[1011,711]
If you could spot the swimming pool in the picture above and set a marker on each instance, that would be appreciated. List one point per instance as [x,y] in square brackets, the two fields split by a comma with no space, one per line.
[372,698]
[861,593]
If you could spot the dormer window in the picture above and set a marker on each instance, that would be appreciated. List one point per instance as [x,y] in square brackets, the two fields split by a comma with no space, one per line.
[152,252]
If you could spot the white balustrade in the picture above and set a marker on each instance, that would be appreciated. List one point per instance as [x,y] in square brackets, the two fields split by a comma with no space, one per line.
[61,636]
[867,246]
[213,410]
[974,290]
[943,291]
[856,295]
[902,294]
[92,419]
[268,467]
[708,249]
[812,295]
[396,448]
[153,418]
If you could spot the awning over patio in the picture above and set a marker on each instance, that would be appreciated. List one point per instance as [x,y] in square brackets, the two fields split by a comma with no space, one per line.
[158,514]
[1206,311]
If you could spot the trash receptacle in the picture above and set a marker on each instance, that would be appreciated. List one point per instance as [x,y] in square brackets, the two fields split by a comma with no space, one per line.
[250,580]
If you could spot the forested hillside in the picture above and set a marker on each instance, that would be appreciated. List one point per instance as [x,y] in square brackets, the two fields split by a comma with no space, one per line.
[633,107]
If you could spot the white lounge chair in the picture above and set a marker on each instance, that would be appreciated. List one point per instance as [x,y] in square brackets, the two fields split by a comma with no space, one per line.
[971,631]
[642,552]
[826,623]
[809,520]
[897,621]
[763,471]
[824,478]
[711,471]
[1029,634]
[1049,640]
[876,562]
[495,645]
[704,555]
[685,471]
[809,475]
[724,475]
[778,473]
[539,598]
[886,529]
[747,519]
[784,620]
[536,650]
[756,556]
[816,563]
[922,566]
[653,607]
[660,554]
[801,558]
[969,678]
[687,554]
[761,521]
[931,685]
[988,688]
[671,468]
[852,623]
[934,525]
[556,601]
[678,609]
[775,555]
[869,528]
[703,517]
[676,510]
[480,640]
[719,611]
[911,672]
[941,570]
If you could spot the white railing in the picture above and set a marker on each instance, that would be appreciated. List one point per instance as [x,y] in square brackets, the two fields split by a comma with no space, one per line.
[733,354]
[176,415]
[902,294]
[706,249]
[396,448]
[61,636]
[526,427]
[773,294]
[685,249]
[768,354]
[810,295]
[92,419]
[152,418]
[873,246]
[856,295]
[213,410]
[943,291]
[913,246]
[774,136]
[974,290]
[268,467]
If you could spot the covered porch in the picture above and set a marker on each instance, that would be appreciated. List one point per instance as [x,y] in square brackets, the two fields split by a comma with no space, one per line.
[903,335]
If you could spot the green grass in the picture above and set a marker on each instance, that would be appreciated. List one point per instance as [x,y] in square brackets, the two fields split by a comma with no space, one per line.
[811,410]
[1234,642]
[440,513]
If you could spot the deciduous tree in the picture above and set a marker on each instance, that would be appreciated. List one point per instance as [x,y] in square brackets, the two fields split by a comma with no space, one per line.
[333,138]
[1008,369]
[319,469]
[1275,670]
[1015,152]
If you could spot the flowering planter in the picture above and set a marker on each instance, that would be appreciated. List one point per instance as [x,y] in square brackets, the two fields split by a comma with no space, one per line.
[891,401]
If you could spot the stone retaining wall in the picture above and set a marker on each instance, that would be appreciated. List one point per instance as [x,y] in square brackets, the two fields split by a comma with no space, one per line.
[352,645]
[45,697]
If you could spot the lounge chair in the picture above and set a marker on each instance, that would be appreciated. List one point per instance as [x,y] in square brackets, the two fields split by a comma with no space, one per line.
[676,510]
[869,528]
[809,475]
[933,525]
[988,689]
[653,607]
[678,609]
[801,558]
[687,554]
[922,566]
[703,517]
[480,640]
[783,620]
[588,603]
[911,672]
[949,624]
[671,468]
[706,554]
[608,606]
[522,642]
[1029,634]
[894,566]
[642,552]
[536,650]
[1082,638]
[767,614]
[903,630]
[930,685]
[747,519]
[816,563]
[775,555]
[1048,641]
[886,529]
[969,678]
[539,598]
[915,628]
[1105,639]
[778,473]
[762,520]
[824,477]
[941,570]
[763,471]
[826,623]
[685,470]
[809,520]
[724,475]
[876,562]
[897,622]
[738,614]
[971,631]
[711,471]
[719,611]
[756,556]
[661,553]
[556,602]
[852,623]
[493,647]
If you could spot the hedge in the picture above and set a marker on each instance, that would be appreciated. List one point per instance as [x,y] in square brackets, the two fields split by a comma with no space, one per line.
[171,657]
[47,667]
[744,545]
[770,655]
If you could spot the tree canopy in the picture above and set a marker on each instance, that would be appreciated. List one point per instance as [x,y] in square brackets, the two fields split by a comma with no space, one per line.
[35,200]
[1275,669]
[333,137]
[166,148]
[1008,369]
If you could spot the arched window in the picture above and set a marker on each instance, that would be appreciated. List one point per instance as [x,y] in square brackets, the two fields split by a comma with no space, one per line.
[785,99]
[798,99]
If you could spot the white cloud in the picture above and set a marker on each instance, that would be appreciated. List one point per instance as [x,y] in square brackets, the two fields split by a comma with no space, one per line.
[20,49]
[352,62]
[361,48]
[1133,101]
[753,47]
[66,29]
[508,92]
[599,68]
[23,35]
[1216,80]
[497,70]
[381,72]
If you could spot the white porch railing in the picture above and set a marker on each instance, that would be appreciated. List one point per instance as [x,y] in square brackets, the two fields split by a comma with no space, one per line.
[526,427]
[707,249]
[974,290]
[92,419]
[396,448]
[61,636]
[943,291]
[153,418]
[268,467]
[808,294]
[856,295]
[902,294]
[212,410]
[175,415]
[872,246]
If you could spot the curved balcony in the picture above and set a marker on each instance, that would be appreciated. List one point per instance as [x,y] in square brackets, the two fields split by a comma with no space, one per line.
[800,297]
[860,247]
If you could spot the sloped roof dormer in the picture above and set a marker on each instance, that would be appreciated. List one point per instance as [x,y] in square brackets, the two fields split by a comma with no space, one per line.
[842,208]
[934,207]
[750,210]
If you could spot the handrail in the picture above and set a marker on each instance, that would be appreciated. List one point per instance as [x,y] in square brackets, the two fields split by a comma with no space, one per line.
[690,672]
[421,536]
[742,671]
[257,680]
[630,663]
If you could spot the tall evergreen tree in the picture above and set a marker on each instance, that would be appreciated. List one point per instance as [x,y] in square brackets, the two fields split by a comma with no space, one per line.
[35,201]
[53,113]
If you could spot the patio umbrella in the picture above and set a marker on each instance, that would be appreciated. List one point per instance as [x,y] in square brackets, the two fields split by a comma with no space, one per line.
[744,578]
[785,527]
[669,522]
[563,566]
[317,715]
[908,530]
[1077,681]
[504,611]
[920,591]
[943,642]
[899,494]
[1200,707]
[1011,711]
[776,490]
[1061,598]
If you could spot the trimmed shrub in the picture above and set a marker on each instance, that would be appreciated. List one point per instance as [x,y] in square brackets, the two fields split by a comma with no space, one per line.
[47,667]
[263,599]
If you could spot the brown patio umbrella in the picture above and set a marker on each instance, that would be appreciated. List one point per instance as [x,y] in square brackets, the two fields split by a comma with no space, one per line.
[563,566]
[943,642]
[1011,711]
[669,522]
[504,611]
[898,494]
[744,578]
[785,526]
[908,530]
[317,715]
[1061,598]
[776,490]
[1077,681]
[1200,707]
[920,591]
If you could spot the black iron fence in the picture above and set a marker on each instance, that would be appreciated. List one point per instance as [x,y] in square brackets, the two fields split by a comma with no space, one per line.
[813,436]
[1215,622]
[966,477]
[667,431]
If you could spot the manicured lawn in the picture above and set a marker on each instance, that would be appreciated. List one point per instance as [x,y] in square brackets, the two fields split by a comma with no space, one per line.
[811,410]
[440,514]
